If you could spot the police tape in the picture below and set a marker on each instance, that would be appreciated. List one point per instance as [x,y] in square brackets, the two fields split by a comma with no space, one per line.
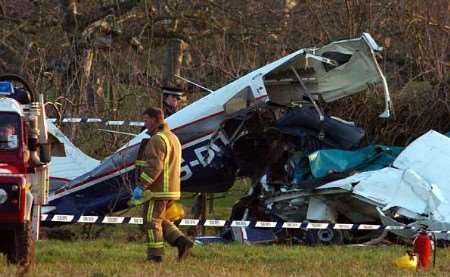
[227,223]
[83,120]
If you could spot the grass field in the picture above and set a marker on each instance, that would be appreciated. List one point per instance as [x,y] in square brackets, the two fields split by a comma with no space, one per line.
[119,251]
[116,258]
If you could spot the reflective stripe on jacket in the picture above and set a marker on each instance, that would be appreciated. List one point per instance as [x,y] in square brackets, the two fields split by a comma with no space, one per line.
[159,168]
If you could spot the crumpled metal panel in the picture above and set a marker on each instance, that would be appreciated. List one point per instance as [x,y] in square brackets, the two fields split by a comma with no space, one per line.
[420,183]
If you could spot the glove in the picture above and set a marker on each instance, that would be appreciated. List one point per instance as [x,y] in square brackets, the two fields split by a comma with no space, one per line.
[139,196]
[137,193]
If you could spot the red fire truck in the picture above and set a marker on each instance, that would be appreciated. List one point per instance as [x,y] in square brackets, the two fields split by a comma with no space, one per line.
[24,158]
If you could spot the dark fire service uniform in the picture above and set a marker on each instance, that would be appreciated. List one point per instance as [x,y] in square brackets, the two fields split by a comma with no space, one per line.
[168,110]
[175,92]
[159,173]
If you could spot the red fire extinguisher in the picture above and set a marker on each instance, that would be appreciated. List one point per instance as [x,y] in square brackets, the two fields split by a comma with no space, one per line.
[423,246]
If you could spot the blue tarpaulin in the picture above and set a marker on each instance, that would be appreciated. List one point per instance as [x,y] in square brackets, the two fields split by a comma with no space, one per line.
[372,157]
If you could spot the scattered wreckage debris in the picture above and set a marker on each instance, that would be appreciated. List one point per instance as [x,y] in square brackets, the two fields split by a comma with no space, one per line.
[304,165]
[375,184]
[216,131]
[264,125]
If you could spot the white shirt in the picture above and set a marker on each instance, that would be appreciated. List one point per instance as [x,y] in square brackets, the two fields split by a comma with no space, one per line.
[10,144]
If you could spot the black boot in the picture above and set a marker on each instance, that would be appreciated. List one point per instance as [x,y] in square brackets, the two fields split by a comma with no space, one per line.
[155,259]
[184,246]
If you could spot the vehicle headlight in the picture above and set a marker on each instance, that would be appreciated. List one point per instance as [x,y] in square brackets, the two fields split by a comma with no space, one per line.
[3,196]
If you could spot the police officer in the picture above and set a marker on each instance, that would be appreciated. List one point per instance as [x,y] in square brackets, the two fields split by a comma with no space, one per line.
[159,177]
[171,100]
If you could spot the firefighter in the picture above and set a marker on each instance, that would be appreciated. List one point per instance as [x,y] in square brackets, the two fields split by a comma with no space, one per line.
[159,178]
[171,100]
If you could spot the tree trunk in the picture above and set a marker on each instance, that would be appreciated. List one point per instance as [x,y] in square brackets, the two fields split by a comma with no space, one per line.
[86,95]
[173,58]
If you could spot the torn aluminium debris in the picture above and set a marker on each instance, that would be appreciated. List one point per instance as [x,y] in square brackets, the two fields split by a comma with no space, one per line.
[375,185]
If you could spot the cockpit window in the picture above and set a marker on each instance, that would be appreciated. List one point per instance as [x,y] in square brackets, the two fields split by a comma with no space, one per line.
[240,101]
[9,131]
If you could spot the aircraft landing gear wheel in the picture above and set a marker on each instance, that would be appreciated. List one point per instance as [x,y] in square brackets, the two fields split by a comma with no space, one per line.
[325,236]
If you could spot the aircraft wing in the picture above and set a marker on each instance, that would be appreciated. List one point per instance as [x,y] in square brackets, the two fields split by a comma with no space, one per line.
[416,186]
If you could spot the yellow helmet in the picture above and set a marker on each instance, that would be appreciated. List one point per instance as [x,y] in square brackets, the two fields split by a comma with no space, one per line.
[174,211]
[407,261]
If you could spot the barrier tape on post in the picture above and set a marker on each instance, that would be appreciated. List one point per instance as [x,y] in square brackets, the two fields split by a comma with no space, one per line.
[226,223]
[85,120]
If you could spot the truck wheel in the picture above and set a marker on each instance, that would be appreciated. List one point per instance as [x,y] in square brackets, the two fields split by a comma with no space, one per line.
[5,241]
[22,247]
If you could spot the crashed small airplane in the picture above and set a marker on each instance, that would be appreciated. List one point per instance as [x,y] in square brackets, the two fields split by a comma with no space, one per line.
[216,130]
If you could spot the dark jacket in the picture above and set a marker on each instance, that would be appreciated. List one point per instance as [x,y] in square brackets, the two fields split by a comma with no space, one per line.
[168,110]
